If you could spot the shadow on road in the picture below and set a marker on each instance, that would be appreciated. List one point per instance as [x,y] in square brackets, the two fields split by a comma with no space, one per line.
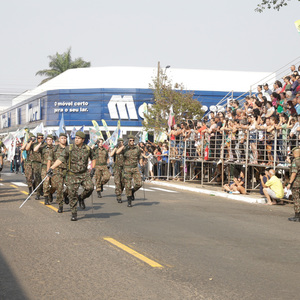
[100,215]
[144,203]
[9,285]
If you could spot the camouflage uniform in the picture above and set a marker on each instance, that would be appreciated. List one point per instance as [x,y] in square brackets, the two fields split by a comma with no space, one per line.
[36,159]
[295,168]
[59,174]
[77,161]
[44,151]
[132,155]
[1,154]
[102,174]
[118,173]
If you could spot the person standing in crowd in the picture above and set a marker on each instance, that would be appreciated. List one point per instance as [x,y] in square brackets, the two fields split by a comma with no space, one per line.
[294,184]
[2,153]
[44,150]
[59,174]
[132,156]
[76,157]
[102,174]
[35,158]
[118,170]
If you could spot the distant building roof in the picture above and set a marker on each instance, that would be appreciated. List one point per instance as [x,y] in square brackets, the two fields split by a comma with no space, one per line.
[140,78]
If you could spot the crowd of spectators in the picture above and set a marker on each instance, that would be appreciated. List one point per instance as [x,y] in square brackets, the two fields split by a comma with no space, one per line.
[261,129]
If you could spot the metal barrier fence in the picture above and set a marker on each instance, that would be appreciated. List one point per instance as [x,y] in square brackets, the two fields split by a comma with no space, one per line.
[214,159]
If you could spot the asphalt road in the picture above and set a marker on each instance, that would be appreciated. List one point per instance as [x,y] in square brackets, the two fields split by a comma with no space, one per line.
[208,247]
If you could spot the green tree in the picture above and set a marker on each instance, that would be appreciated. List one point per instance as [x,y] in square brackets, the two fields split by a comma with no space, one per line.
[59,63]
[268,4]
[166,96]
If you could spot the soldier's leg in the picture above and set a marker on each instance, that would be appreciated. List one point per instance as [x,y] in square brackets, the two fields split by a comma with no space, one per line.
[36,168]
[117,180]
[137,180]
[98,175]
[87,185]
[127,181]
[46,183]
[296,199]
[105,176]
[28,174]
[73,184]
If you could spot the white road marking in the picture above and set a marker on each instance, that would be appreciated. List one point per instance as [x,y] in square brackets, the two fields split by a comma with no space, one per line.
[164,190]
[8,174]
[19,183]
[1,183]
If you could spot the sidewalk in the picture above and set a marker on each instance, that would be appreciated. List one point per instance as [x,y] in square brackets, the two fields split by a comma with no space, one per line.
[211,190]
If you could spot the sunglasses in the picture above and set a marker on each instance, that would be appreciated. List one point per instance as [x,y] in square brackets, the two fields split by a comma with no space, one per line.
[131,140]
[40,138]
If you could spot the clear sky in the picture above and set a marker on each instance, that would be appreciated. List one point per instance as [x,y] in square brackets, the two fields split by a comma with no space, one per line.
[223,35]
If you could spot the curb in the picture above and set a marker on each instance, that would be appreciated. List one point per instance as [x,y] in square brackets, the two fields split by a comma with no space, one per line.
[212,193]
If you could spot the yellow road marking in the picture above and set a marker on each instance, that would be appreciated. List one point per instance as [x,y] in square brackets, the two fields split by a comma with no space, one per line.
[14,186]
[24,192]
[50,206]
[145,259]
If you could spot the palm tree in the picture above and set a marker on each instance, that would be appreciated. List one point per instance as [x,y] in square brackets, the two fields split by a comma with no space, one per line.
[60,63]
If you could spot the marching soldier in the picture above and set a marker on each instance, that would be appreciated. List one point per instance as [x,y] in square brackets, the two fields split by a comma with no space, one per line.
[295,184]
[28,163]
[59,174]
[118,170]
[44,150]
[102,174]
[35,158]
[2,146]
[132,156]
[76,157]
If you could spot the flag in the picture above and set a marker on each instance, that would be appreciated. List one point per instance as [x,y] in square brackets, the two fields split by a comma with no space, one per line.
[106,128]
[93,136]
[61,128]
[38,129]
[98,131]
[297,24]
[81,129]
[73,133]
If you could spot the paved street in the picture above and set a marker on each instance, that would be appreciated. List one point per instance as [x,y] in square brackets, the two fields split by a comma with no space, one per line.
[206,247]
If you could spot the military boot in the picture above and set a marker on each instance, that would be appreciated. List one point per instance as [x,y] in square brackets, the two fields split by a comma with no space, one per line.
[74,217]
[119,199]
[99,194]
[30,190]
[66,199]
[37,197]
[296,218]
[129,201]
[132,197]
[81,202]
[101,187]
[60,209]
[46,200]
[50,198]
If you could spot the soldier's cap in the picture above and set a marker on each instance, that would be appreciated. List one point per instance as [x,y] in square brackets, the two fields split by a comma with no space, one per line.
[80,134]
[39,134]
[130,137]
[295,148]
[31,134]
[50,136]
[62,134]
[120,140]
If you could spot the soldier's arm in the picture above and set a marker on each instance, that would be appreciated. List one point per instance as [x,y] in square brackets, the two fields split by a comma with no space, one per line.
[112,153]
[28,146]
[120,149]
[37,147]
[292,178]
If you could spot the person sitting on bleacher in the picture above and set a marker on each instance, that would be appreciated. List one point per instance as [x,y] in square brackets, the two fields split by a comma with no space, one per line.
[273,189]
